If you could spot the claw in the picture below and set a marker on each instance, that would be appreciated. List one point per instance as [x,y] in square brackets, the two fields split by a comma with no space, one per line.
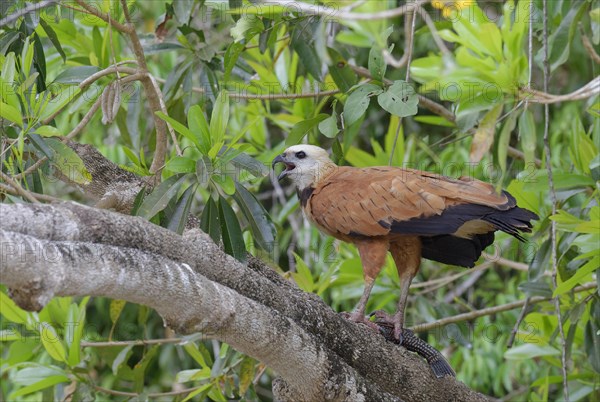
[361,319]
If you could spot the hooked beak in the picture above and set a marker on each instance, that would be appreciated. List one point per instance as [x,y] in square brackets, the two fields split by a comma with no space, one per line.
[288,166]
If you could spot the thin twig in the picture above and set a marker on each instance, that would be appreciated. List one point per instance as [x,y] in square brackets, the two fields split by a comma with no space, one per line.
[163,108]
[411,34]
[491,310]
[17,188]
[85,120]
[505,262]
[515,153]
[463,287]
[340,14]
[150,395]
[441,282]
[88,81]
[139,342]
[95,11]
[408,33]
[587,44]
[238,95]
[588,90]
[35,7]
[513,333]
[30,169]
[40,197]
[434,32]
[552,191]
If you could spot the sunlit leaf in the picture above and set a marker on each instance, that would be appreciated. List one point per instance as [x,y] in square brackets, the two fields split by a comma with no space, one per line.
[52,342]
[357,103]
[400,99]
[302,128]
[158,199]
[68,162]
[219,117]
[484,135]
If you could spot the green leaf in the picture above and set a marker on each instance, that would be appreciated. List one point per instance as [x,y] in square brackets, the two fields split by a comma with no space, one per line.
[8,70]
[343,76]
[530,351]
[306,51]
[377,65]
[8,308]
[225,182]
[193,351]
[121,358]
[219,117]
[200,129]
[504,141]
[181,129]
[116,307]
[68,162]
[11,113]
[528,136]
[8,94]
[231,56]
[53,38]
[180,215]
[42,384]
[302,128]
[580,276]
[77,319]
[59,102]
[329,127]
[233,240]
[181,164]
[209,221]
[246,27]
[357,103]
[41,144]
[162,47]
[540,262]
[159,198]
[592,340]
[484,135]
[52,342]
[400,99]
[536,288]
[252,165]
[48,131]
[200,390]
[559,42]
[246,374]
[27,57]
[259,219]
[303,277]
[192,375]
[75,75]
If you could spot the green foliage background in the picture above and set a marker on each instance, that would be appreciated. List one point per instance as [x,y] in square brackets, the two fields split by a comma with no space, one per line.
[228,72]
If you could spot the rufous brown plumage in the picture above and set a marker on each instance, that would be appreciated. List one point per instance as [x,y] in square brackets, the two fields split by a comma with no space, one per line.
[410,213]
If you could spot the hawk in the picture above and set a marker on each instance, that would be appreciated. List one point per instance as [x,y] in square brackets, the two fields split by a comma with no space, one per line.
[410,213]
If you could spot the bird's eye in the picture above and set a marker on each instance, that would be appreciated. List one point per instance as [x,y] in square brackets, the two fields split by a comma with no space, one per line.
[300,155]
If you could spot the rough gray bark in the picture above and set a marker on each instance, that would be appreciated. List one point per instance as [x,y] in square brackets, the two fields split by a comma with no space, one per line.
[69,249]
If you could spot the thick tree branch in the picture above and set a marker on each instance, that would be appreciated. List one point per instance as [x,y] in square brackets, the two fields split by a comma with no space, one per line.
[141,262]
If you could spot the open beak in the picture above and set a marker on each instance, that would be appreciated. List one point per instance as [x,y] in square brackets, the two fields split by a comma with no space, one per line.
[288,166]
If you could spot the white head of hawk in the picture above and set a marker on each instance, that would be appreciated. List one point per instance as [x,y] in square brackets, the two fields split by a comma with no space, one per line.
[305,164]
